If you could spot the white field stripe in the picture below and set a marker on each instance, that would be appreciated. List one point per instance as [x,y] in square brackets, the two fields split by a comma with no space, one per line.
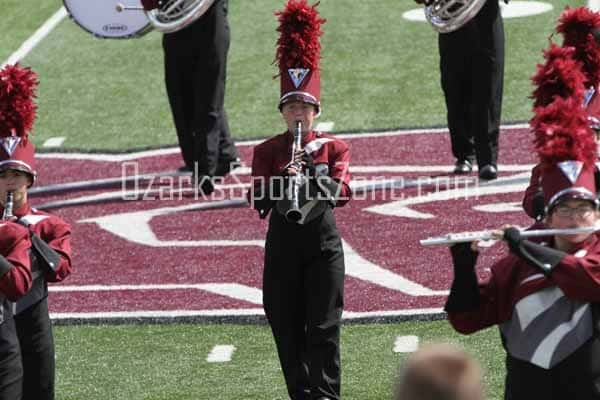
[54,142]
[37,37]
[174,190]
[232,290]
[135,227]
[401,208]
[233,312]
[220,353]
[159,314]
[175,150]
[430,168]
[361,268]
[406,344]
[134,194]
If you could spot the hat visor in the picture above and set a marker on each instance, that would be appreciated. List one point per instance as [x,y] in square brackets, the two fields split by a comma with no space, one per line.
[18,166]
[299,96]
[578,193]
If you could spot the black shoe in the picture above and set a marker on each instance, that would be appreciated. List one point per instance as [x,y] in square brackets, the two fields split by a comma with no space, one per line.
[205,185]
[463,167]
[226,166]
[488,172]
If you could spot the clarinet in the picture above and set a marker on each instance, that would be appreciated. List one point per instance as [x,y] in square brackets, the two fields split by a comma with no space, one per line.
[294,214]
[8,207]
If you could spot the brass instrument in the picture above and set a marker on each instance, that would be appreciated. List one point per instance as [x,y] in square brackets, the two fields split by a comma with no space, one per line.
[449,15]
[294,214]
[8,207]
[466,237]
[172,15]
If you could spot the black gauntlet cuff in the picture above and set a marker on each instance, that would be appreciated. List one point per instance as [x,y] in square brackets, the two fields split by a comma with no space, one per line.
[542,257]
[309,164]
[5,266]
[267,193]
[464,292]
[45,253]
[329,188]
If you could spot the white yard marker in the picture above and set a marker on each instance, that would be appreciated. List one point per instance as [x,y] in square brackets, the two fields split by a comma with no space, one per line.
[325,126]
[406,344]
[220,353]
[54,142]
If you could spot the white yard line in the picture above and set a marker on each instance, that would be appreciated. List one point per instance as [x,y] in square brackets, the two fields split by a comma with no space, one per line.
[234,312]
[36,38]
[175,150]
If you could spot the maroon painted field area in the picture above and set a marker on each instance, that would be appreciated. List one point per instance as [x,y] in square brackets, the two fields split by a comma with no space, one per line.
[162,254]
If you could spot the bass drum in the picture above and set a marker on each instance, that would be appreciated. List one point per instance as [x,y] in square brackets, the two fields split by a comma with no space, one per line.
[101,18]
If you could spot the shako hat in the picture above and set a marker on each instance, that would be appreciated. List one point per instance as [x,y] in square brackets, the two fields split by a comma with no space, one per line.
[298,53]
[17,115]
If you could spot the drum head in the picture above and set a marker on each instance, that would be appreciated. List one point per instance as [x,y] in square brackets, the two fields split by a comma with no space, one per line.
[101,18]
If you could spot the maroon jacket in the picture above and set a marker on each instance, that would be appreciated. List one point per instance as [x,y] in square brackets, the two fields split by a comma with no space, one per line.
[272,156]
[512,279]
[55,232]
[15,279]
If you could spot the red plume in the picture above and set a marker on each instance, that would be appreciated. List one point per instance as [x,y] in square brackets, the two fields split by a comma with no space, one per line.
[17,108]
[577,26]
[559,77]
[562,133]
[300,30]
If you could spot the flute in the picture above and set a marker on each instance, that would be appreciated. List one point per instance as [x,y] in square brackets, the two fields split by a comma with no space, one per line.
[466,237]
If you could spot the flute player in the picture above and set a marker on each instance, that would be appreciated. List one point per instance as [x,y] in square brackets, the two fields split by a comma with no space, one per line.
[544,295]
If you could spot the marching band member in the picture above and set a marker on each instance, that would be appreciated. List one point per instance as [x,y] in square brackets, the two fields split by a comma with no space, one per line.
[542,294]
[572,70]
[195,59]
[15,281]
[303,280]
[48,236]
[472,79]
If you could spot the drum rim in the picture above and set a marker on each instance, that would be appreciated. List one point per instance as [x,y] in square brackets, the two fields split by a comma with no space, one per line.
[137,34]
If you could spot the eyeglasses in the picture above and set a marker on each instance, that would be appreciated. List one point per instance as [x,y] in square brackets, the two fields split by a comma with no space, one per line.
[581,212]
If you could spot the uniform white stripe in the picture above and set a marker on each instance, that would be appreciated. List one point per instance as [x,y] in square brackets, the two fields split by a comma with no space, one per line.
[533,278]
[543,354]
[528,308]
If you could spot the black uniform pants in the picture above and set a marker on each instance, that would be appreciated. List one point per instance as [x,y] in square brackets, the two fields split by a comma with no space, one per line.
[195,71]
[472,75]
[303,289]
[576,377]
[11,370]
[34,330]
